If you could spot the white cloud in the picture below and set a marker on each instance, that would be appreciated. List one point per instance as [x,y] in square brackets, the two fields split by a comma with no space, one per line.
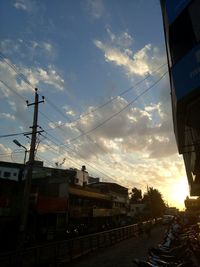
[117,51]
[123,40]
[48,47]
[55,125]
[4,150]
[25,5]
[7,46]
[46,76]
[132,131]
[28,49]
[20,5]
[35,76]
[5,153]
[96,8]
[69,110]
[7,116]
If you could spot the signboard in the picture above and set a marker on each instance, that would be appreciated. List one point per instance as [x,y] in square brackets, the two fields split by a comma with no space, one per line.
[174,8]
[101,212]
[186,73]
[51,204]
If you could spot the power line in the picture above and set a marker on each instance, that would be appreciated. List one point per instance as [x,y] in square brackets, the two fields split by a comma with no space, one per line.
[59,111]
[44,159]
[55,151]
[44,116]
[106,103]
[9,154]
[5,84]
[54,106]
[117,113]
[16,70]
[64,115]
[111,100]
[15,134]
[88,164]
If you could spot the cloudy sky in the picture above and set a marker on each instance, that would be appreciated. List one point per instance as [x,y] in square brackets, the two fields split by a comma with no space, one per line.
[102,68]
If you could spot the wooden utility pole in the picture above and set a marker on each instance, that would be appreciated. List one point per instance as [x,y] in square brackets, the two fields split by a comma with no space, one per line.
[29,167]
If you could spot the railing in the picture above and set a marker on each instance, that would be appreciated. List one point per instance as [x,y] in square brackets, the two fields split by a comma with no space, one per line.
[60,252]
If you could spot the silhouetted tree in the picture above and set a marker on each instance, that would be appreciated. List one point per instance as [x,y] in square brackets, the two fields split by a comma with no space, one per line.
[155,204]
[136,195]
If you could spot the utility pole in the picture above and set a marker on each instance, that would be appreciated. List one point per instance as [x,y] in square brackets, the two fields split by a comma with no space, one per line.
[29,167]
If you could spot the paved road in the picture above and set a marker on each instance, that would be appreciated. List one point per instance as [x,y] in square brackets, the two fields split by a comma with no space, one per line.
[121,254]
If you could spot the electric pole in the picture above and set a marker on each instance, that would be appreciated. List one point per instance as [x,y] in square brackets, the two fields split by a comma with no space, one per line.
[29,167]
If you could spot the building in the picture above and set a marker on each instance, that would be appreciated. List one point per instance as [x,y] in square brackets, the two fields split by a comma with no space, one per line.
[119,196]
[11,171]
[60,199]
[182,35]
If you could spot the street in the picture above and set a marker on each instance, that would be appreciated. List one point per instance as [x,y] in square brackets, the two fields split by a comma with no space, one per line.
[121,254]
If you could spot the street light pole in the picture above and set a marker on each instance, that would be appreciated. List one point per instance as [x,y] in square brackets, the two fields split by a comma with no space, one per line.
[20,145]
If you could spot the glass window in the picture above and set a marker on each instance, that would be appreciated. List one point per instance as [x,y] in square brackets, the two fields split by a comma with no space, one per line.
[194,10]
[6,174]
[181,36]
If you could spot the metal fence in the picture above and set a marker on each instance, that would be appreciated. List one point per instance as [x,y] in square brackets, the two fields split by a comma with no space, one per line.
[60,252]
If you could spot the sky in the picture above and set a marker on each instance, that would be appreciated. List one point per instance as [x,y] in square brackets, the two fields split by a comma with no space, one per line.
[101,66]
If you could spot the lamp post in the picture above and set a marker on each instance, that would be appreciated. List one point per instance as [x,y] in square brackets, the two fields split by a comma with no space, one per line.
[20,145]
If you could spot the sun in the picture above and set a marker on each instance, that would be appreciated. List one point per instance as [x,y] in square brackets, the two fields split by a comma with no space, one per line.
[178,193]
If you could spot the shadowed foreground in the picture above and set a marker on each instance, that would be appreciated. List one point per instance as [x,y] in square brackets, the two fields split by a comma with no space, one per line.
[121,254]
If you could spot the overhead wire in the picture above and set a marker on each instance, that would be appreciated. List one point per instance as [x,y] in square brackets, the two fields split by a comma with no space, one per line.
[11,89]
[52,104]
[16,70]
[15,134]
[111,100]
[88,164]
[53,150]
[84,115]
[121,110]
[107,102]
[64,115]
[8,154]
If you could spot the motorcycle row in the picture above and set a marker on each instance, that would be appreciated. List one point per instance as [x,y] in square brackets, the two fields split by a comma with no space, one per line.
[180,248]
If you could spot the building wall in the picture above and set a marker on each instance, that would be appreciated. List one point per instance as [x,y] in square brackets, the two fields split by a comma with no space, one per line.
[81,177]
[9,173]
[182,34]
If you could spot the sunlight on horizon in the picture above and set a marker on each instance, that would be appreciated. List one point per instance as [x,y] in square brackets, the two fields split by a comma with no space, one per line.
[178,193]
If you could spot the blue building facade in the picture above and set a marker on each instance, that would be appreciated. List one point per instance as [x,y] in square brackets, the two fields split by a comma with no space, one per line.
[182,34]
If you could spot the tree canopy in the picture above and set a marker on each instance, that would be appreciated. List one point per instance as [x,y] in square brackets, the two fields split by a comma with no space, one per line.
[154,202]
[136,195]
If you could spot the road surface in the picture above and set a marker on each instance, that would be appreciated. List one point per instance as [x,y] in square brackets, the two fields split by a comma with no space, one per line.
[121,254]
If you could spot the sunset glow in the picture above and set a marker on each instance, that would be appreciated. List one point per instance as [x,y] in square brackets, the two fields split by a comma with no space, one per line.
[178,193]
[106,87]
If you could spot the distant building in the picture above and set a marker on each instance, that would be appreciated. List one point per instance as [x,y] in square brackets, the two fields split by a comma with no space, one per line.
[171,211]
[118,193]
[11,171]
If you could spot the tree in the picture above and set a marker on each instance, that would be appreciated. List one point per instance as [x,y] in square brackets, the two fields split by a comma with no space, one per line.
[136,195]
[154,202]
